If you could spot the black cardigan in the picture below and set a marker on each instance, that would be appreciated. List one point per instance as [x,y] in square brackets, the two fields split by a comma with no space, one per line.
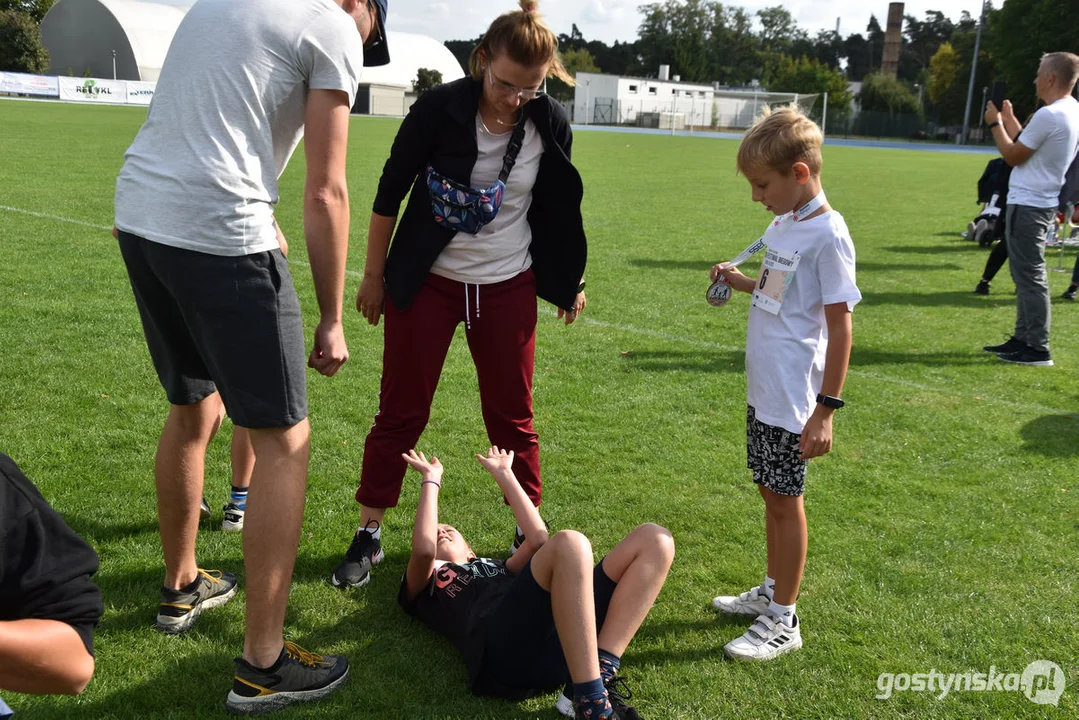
[440,129]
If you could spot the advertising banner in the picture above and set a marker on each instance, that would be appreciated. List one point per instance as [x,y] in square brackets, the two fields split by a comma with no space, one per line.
[23,84]
[140,93]
[95,90]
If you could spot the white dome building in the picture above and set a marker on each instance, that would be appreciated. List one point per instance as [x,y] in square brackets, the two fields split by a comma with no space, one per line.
[84,36]
[387,90]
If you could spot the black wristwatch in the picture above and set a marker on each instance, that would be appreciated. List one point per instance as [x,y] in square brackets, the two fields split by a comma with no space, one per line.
[993,125]
[830,402]
[580,288]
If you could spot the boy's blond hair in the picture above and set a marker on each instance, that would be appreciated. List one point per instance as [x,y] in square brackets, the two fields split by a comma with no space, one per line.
[779,139]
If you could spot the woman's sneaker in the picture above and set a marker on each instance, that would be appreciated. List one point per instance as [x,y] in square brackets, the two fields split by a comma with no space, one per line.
[297,676]
[234,518]
[364,553]
[204,510]
[753,602]
[180,608]
[766,639]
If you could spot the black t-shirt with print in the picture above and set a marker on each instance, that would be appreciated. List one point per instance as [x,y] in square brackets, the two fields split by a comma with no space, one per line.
[457,602]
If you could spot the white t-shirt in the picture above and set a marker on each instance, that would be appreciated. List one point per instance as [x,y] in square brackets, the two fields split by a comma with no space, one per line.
[227,114]
[785,351]
[499,251]
[1053,135]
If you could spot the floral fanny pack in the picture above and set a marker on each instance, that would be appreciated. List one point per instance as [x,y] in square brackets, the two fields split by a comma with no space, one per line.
[467,209]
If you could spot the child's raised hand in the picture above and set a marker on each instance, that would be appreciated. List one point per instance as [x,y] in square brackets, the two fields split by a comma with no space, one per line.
[497,461]
[429,470]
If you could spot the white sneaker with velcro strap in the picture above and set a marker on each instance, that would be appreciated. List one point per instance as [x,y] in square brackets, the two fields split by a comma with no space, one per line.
[766,639]
[752,603]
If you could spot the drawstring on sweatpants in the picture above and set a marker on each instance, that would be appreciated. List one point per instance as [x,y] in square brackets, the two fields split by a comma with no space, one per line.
[468,318]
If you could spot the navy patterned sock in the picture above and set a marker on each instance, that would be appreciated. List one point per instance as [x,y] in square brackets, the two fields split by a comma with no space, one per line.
[608,665]
[591,699]
[238,497]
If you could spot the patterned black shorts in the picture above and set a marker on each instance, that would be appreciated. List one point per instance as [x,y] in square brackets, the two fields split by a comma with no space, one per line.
[773,456]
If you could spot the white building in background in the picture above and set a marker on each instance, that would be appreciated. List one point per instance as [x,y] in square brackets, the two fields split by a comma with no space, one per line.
[387,90]
[87,36]
[600,99]
[648,102]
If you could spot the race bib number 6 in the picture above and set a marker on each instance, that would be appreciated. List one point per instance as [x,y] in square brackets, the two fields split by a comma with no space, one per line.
[777,273]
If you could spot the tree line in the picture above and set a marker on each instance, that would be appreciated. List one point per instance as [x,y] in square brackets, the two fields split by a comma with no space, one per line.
[709,42]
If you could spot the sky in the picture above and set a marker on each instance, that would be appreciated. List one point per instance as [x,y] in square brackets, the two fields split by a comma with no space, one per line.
[610,20]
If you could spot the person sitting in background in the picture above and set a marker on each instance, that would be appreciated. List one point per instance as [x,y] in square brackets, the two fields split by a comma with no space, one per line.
[48,604]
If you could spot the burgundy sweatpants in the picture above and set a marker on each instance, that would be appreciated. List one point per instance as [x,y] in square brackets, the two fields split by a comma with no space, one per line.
[500,324]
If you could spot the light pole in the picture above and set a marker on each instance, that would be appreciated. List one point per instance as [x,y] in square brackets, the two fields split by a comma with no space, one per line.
[113,64]
[973,72]
[586,99]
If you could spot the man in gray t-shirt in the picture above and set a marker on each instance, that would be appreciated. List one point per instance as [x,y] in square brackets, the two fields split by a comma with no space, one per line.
[194,219]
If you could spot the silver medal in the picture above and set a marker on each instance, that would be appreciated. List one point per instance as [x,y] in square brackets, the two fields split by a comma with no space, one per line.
[719,293]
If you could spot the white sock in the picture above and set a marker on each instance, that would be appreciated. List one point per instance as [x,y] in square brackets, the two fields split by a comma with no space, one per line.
[520,531]
[785,613]
[769,587]
[377,532]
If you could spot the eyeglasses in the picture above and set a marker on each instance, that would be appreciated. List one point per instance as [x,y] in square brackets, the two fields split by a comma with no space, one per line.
[507,89]
[375,37]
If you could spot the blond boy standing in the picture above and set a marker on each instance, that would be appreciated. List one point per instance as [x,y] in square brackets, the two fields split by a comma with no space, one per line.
[798,342]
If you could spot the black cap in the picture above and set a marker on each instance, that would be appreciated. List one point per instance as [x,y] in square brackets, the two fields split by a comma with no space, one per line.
[377,52]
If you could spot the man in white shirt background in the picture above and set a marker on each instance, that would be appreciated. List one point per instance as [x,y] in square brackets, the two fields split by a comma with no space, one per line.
[1041,158]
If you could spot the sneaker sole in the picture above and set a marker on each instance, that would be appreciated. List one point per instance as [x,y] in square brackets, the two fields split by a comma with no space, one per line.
[1032,363]
[375,560]
[228,526]
[175,626]
[565,706]
[239,705]
[794,645]
[726,609]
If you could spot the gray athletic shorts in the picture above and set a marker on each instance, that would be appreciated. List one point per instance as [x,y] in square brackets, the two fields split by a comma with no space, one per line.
[228,324]
[774,456]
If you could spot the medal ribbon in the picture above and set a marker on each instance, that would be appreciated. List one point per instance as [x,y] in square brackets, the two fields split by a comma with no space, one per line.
[801,213]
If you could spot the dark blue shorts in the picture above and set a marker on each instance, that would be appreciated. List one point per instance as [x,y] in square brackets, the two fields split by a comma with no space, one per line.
[228,324]
[522,653]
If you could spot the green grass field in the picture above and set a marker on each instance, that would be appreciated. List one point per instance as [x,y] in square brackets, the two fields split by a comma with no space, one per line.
[943,527]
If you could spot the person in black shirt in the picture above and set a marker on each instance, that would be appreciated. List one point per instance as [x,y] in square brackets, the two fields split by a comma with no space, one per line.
[523,624]
[48,604]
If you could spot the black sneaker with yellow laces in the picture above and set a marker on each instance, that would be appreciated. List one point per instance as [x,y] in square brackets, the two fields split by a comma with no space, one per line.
[297,676]
[180,608]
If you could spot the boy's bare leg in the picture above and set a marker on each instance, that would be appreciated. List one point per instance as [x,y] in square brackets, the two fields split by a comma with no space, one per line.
[242,456]
[639,565]
[272,535]
[770,532]
[786,522]
[178,475]
[563,567]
